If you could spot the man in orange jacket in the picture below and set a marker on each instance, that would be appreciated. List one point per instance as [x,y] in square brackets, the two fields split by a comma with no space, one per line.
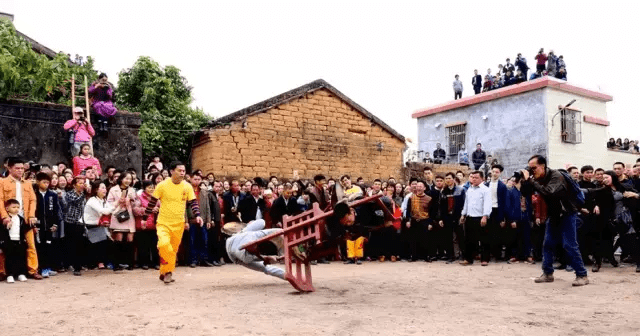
[14,187]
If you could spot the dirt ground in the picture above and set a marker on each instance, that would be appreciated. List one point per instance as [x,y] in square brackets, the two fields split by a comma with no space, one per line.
[370,299]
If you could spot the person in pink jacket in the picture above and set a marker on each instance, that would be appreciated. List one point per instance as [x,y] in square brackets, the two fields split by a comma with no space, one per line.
[86,160]
[122,198]
[81,131]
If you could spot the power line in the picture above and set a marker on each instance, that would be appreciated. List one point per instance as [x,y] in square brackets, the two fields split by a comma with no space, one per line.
[59,123]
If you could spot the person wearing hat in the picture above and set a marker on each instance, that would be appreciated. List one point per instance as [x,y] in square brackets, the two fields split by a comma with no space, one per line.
[81,131]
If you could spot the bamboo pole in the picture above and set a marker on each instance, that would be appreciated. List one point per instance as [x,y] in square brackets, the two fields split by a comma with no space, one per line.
[73,93]
[86,99]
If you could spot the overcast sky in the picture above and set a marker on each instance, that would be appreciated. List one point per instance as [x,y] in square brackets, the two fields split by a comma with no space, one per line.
[391,57]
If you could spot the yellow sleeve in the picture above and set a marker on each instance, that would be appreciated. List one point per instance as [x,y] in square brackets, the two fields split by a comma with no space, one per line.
[191,195]
[157,193]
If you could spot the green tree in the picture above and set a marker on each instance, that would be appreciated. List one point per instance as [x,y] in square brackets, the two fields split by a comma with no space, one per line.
[25,74]
[162,96]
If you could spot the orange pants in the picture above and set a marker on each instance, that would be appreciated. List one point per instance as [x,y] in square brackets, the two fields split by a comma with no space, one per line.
[169,237]
[355,248]
[32,255]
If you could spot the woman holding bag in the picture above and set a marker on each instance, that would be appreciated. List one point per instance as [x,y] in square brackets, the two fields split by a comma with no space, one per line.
[123,225]
[97,219]
[146,236]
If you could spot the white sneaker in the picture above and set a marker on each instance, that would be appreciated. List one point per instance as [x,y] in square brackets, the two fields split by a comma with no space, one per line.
[52,273]
[22,278]
[45,273]
[10,279]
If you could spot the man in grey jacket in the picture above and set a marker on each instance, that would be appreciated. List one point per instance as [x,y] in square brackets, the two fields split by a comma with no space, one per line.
[260,258]
[457,88]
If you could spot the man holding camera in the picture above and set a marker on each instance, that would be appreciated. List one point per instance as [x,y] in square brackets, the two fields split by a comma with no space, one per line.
[562,209]
[80,131]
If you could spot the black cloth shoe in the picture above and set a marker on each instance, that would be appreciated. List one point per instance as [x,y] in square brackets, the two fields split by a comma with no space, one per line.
[560,267]
[193,265]
[350,261]
[638,268]
[595,268]
[206,264]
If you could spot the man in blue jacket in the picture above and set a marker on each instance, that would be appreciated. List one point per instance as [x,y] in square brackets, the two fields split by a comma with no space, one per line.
[518,222]
[495,237]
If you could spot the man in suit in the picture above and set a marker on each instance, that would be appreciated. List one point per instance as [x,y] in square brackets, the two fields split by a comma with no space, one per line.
[476,81]
[286,204]
[231,201]
[495,237]
[253,206]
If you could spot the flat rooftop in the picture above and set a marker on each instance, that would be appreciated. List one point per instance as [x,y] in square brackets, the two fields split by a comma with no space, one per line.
[531,85]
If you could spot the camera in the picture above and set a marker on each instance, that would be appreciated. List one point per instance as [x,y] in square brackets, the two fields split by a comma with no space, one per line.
[518,175]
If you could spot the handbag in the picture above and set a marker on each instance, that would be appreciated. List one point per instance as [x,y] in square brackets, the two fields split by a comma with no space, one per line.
[123,215]
[623,223]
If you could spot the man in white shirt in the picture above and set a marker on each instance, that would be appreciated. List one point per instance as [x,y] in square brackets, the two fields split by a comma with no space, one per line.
[475,215]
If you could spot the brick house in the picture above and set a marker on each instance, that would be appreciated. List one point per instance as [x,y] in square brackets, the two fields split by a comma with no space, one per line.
[314,129]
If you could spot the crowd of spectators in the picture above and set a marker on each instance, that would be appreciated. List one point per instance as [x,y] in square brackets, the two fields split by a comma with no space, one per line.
[60,218]
[515,73]
[626,145]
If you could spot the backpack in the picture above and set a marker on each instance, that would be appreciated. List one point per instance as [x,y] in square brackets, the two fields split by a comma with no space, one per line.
[574,189]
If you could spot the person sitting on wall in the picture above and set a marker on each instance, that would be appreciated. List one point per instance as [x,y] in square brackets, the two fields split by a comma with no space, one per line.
[80,131]
[439,154]
[102,101]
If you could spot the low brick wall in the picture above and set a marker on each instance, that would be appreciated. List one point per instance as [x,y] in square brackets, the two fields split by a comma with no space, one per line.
[33,131]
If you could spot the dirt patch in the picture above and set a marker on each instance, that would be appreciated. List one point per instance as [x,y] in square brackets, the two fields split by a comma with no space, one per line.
[371,299]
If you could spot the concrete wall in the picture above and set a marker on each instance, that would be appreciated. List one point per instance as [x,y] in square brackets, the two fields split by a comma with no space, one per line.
[42,139]
[314,134]
[593,149]
[513,131]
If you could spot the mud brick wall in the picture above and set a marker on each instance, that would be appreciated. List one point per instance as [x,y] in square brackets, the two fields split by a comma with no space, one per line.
[314,134]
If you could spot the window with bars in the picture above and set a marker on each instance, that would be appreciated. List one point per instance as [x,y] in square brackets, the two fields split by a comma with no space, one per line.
[571,126]
[456,137]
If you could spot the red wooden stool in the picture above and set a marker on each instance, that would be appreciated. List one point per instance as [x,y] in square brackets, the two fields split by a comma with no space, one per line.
[307,227]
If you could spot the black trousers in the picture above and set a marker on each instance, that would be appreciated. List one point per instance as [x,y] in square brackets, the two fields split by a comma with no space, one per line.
[147,241]
[78,243]
[442,239]
[477,89]
[382,242]
[537,239]
[603,244]
[457,95]
[15,254]
[473,233]
[497,236]
[216,245]
[459,238]
[584,230]
[49,254]
[417,234]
